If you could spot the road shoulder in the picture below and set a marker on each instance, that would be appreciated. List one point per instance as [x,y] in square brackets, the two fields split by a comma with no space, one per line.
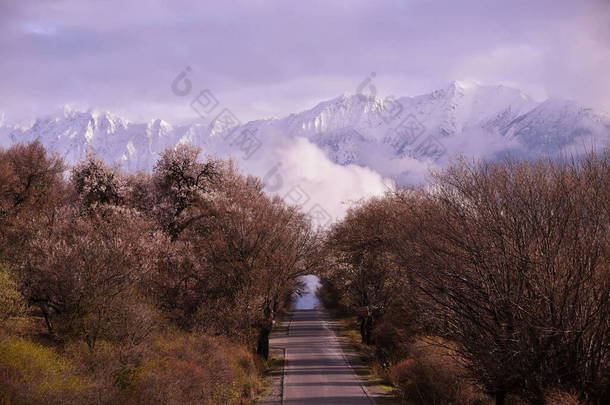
[274,379]
[377,390]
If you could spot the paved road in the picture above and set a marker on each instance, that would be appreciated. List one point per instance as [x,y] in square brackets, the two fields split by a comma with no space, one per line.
[316,372]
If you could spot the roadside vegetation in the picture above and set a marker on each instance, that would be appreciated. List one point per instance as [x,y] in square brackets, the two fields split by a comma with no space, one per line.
[140,288]
[491,285]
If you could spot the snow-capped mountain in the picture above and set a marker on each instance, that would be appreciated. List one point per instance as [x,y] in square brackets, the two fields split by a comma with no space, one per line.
[385,135]
[448,121]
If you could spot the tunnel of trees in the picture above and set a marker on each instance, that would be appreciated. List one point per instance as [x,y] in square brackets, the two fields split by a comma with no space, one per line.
[491,284]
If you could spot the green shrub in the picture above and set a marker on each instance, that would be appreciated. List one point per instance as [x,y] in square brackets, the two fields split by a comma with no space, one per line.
[34,374]
[11,301]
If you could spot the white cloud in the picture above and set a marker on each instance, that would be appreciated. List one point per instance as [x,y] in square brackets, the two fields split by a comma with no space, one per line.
[299,172]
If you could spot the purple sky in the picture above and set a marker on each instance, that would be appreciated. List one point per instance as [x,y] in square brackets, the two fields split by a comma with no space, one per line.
[270,58]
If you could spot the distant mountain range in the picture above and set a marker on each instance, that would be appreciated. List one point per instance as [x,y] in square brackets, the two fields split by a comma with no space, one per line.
[384,135]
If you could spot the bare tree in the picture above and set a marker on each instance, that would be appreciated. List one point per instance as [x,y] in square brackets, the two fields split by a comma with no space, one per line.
[360,266]
[182,184]
[515,257]
[97,184]
[84,274]
[28,176]
[255,249]
[31,187]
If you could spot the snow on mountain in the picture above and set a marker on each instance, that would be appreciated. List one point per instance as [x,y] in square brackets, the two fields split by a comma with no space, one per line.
[407,134]
[133,146]
[555,125]
[5,130]
[389,135]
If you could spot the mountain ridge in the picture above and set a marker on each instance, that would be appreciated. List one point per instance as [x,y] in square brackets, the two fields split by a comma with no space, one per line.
[350,129]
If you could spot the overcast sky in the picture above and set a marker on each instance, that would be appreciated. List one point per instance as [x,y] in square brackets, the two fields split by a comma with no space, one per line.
[266,58]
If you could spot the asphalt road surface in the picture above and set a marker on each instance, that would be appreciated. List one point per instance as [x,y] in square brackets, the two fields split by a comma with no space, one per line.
[316,372]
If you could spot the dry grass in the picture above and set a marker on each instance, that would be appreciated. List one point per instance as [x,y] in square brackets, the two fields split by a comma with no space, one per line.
[556,397]
[173,369]
[433,374]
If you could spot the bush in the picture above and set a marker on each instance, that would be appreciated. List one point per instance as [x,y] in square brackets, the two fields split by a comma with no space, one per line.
[556,397]
[190,369]
[110,366]
[34,374]
[434,375]
[11,301]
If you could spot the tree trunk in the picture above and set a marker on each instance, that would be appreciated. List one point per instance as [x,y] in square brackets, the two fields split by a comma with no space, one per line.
[47,317]
[369,330]
[500,398]
[366,329]
[363,329]
[262,347]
